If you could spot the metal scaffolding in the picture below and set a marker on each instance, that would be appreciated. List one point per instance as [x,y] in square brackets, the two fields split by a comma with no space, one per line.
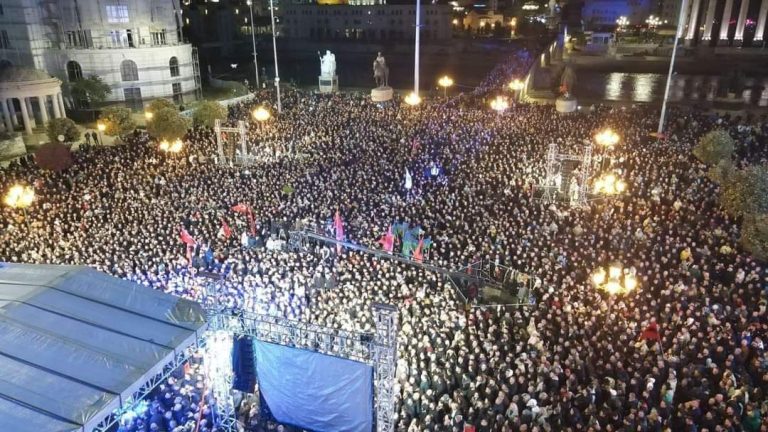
[224,158]
[552,186]
[385,365]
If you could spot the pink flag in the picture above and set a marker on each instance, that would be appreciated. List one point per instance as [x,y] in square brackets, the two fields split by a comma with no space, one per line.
[338,225]
[388,240]
[186,238]
[418,255]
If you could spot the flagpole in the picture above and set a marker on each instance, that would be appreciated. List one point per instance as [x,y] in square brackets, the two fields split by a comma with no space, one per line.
[274,49]
[680,26]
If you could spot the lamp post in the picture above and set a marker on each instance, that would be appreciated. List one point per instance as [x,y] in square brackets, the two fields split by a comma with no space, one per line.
[253,39]
[678,33]
[609,184]
[516,85]
[20,197]
[149,115]
[261,114]
[499,104]
[614,279]
[174,147]
[413,99]
[274,49]
[445,82]
[416,52]
[101,128]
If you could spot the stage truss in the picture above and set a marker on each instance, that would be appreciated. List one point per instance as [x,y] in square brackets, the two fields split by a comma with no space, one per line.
[243,158]
[552,186]
[378,350]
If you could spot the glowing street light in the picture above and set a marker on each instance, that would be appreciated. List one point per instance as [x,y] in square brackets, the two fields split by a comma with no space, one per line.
[20,197]
[499,104]
[174,147]
[516,85]
[653,22]
[615,279]
[445,82]
[609,184]
[101,127]
[149,115]
[622,22]
[412,99]
[607,139]
[261,114]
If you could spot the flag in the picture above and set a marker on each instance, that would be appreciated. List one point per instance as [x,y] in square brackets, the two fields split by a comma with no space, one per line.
[399,229]
[388,240]
[409,240]
[427,243]
[418,254]
[338,225]
[240,208]
[186,238]
[225,231]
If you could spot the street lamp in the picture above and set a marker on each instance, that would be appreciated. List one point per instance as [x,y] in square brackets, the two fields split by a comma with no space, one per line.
[253,39]
[516,86]
[622,22]
[615,279]
[101,127]
[274,50]
[174,147]
[653,22]
[412,99]
[499,104]
[261,114]
[149,115]
[445,82]
[20,197]
[607,139]
[609,184]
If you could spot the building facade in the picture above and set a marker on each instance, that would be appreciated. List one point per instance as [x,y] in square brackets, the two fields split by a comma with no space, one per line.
[725,22]
[374,23]
[606,12]
[135,46]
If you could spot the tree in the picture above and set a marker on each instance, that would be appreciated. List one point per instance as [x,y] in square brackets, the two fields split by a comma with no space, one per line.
[714,147]
[118,121]
[160,104]
[721,172]
[63,126]
[754,235]
[745,192]
[208,112]
[87,91]
[168,124]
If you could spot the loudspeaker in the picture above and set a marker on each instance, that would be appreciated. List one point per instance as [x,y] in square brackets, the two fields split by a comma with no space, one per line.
[243,366]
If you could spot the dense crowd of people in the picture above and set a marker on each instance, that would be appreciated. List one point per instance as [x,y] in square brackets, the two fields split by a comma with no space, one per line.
[684,352]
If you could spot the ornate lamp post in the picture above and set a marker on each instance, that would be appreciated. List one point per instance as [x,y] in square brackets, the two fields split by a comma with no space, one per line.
[413,99]
[20,197]
[499,104]
[615,279]
[101,127]
[516,85]
[174,147]
[261,114]
[445,82]
[609,184]
[607,139]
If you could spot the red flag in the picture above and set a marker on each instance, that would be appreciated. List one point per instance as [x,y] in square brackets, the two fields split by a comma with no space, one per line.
[252,222]
[240,208]
[186,238]
[418,255]
[388,240]
[225,230]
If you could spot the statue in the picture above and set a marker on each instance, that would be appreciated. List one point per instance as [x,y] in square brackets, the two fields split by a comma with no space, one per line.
[327,64]
[567,81]
[380,71]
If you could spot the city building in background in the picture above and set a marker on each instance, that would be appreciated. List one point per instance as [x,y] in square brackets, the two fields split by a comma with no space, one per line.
[136,47]
[597,13]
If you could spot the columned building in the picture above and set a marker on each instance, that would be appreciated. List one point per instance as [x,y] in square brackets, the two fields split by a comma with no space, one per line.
[725,22]
[33,94]
[135,46]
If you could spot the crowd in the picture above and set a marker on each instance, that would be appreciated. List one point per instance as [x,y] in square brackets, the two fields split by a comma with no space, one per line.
[685,352]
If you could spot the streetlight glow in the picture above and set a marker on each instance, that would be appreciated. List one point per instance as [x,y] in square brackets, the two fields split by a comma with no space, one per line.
[101,127]
[609,184]
[149,115]
[516,85]
[445,82]
[261,114]
[622,22]
[19,196]
[174,147]
[412,99]
[607,138]
[499,104]
[617,280]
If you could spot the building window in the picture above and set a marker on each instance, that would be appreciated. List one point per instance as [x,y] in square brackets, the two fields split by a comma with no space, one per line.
[177,98]
[74,71]
[2,12]
[129,71]
[5,43]
[174,65]
[133,98]
[117,13]
[79,39]
[158,38]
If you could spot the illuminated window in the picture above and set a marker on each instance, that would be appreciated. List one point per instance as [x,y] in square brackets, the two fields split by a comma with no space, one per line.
[117,13]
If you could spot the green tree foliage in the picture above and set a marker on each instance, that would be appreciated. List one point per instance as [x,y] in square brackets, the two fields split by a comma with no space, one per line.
[168,124]
[62,126]
[721,172]
[754,235]
[207,112]
[745,192]
[714,147]
[160,104]
[87,91]
[118,121]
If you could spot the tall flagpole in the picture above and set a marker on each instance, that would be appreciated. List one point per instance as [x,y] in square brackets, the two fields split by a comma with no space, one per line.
[274,48]
[416,56]
[680,27]
[253,38]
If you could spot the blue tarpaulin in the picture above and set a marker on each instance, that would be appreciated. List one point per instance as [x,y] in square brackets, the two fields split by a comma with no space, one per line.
[315,391]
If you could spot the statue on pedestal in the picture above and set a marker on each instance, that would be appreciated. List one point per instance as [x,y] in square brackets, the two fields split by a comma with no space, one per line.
[327,64]
[380,71]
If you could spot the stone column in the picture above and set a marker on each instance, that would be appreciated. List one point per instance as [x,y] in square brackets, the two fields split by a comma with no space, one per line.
[56,106]
[760,29]
[709,20]
[6,116]
[739,37]
[693,20]
[60,99]
[43,101]
[14,118]
[25,115]
[725,22]
[30,111]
